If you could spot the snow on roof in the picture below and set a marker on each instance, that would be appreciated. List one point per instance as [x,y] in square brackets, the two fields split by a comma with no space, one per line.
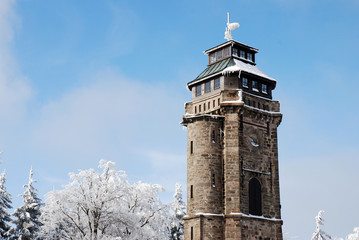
[231,42]
[245,67]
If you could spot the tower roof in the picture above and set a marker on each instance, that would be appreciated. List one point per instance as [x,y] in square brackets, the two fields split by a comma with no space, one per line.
[228,66]
[231,42]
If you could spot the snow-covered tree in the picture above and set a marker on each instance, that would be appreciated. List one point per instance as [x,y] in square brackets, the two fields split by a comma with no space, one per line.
[26,218]
[355,235]
[104,206]
[178,208]
[319,234]
[5,205]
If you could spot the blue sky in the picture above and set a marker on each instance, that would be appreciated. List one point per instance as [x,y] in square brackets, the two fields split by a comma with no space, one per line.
[106,79]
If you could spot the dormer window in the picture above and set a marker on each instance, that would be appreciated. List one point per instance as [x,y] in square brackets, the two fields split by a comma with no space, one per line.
[219,55]
[250,56]
[245,82]
[264,88]
[235,52]
[199,91]
[255,86]
[242,54]
[227,52]
[208,87]
[212,58]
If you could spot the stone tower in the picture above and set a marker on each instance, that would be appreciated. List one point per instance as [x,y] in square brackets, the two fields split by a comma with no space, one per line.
[232,152]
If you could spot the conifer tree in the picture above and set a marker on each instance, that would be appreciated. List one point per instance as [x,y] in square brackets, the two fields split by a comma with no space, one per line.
[319,234]
[178,207]
[5,204]
[26,218]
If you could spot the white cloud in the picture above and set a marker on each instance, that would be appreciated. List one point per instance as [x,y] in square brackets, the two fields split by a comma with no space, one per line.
[109,117]
[14,91]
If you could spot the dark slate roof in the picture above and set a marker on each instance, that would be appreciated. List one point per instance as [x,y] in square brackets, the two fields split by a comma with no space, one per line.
[214,68]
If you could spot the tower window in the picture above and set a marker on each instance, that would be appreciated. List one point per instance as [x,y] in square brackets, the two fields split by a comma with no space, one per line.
[264,88]
[255,197]
[198,90]
[191,191]
[242,54]
[245,82]
[226,52]
[213,180]
[250,56]
[217,83]
[191,233]
[219,102]
[204,106]
[235,52]
[219,55]
[213,137]
[191,147]
[214,103]
[209,105]
[208,86]
[255,86]
[195,109]
[212,58]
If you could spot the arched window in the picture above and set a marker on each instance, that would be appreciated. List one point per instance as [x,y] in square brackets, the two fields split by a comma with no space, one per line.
[255,197]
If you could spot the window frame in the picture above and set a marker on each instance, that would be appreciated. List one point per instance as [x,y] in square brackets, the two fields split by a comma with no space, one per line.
[264,88]
[242,54]
[255,86]
[219,55]
[207,84]
[217,80]
[235,52]
[227,52]
[212,58]
[199,90]
[246,81]
[250,57]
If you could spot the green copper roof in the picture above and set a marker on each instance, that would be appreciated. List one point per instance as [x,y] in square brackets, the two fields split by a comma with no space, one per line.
[215,68]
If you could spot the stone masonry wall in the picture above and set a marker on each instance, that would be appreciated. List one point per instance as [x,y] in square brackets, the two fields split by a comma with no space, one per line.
[261,229]
[205,166]
[219,169]
[230,159]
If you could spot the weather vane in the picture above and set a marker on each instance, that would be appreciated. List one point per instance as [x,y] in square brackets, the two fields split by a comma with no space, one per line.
[229,28]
